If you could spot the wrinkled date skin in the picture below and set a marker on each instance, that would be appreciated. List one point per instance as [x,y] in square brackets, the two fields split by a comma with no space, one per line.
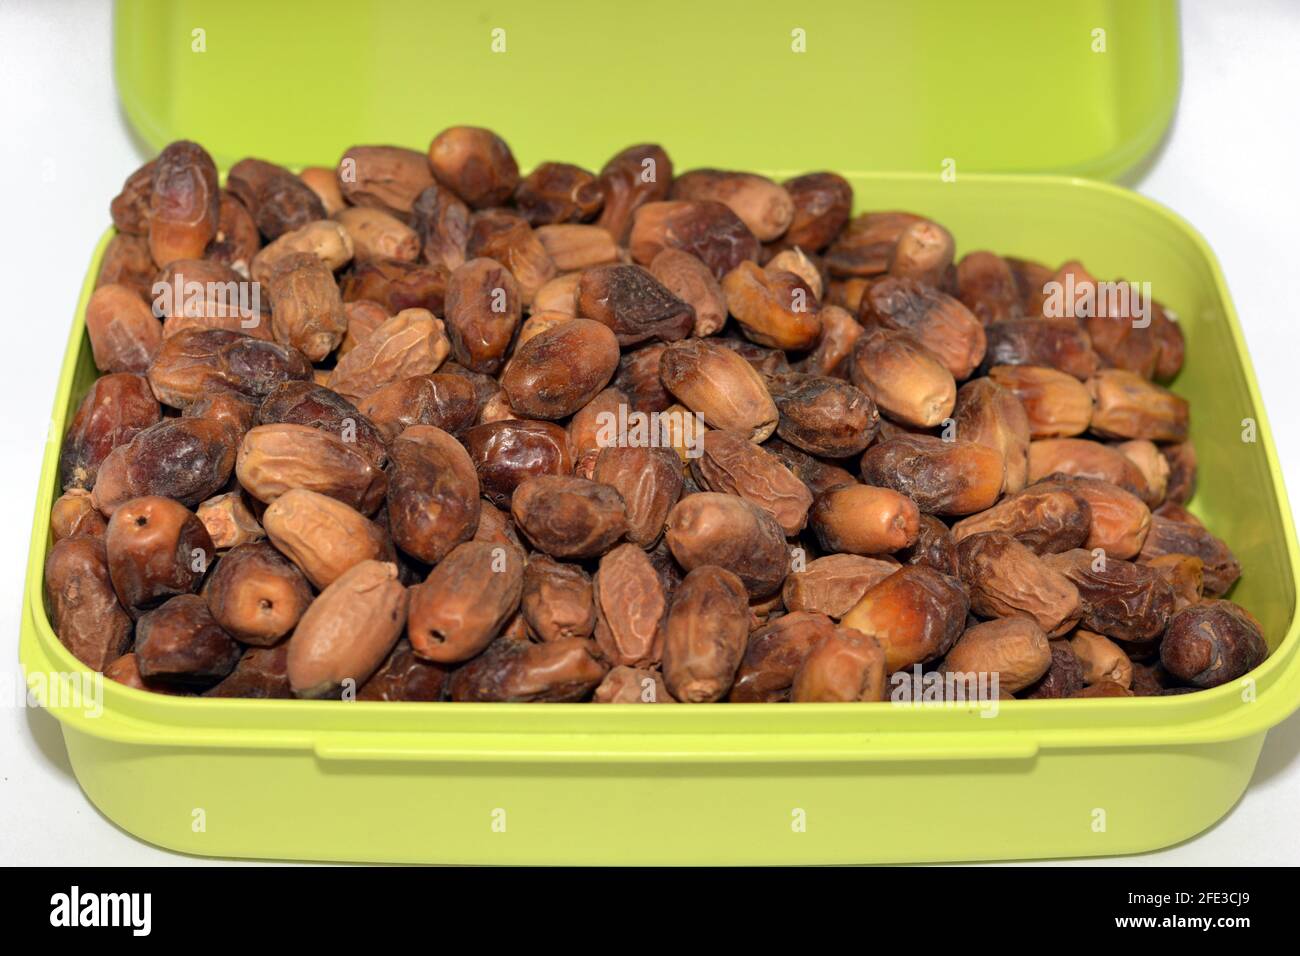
[777,309]
[822,202]
[706,229]
[630,606]
[184,203]
[845,666]
[1006,579]
[278,200]
[986,285]
[938,321]
[157,548]
[84,608]
[413,342]
[508,239]
[192,364]
[711,528]
[942,477]
[1119,599]
[557,372]
[992,416]
[905,379]
[397,285]
[569,517]
[1064,676]
[275,458]
[187,459]
[762,205]
[1014,648]
[1184,534]
[720,385]
[388,178]
[636,176]
[1057,405]
[124,335]
[557,600]
[181,643]
[823,416]
[1059,343]
[261,674]
[633,685]
[638,381]
[1045,519]
[934,547]
[256,594]
[441,221]
[690,280]
[117,408]
[306,308]
[818,475]
[916,614]
[433,497]
[405,676]
[304,403]
[443,400]
[649,481]
[1212,643]
[834,584]
[74,513]
[773,655]
[866,244]
[465,601]
[506,453]
[732,464]
[1125,405]
[127,263]
[1118,521]
[348,631]
[705,635]
[633,304]
[557,193]
[560,671]
[322,535]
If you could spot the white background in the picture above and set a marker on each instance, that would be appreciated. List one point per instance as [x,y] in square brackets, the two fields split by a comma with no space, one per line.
[1228,166]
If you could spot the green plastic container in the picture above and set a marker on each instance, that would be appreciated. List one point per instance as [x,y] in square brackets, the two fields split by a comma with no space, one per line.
[880,86]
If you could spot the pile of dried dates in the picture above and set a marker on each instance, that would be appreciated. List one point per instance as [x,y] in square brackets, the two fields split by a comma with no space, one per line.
[420,427]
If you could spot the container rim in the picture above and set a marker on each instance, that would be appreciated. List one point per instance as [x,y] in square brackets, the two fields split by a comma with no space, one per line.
[480,731]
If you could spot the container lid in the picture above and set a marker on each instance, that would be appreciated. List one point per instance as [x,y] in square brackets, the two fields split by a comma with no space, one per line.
[1085,88]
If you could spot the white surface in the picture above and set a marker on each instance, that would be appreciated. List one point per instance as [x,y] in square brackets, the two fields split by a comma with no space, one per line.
[1227,166]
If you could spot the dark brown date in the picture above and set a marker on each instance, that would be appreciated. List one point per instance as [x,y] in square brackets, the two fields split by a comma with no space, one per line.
[560,671]
[157,548]
[508,452]
[278,201]
[942,477]
[192,364]
[705,634]
[256,594]
[433,495]
[557,599]
[1213,643]
[569,517]
[1119,599]
[85,612]
[116,409]
[187,459]
[180,643]
[633,304]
